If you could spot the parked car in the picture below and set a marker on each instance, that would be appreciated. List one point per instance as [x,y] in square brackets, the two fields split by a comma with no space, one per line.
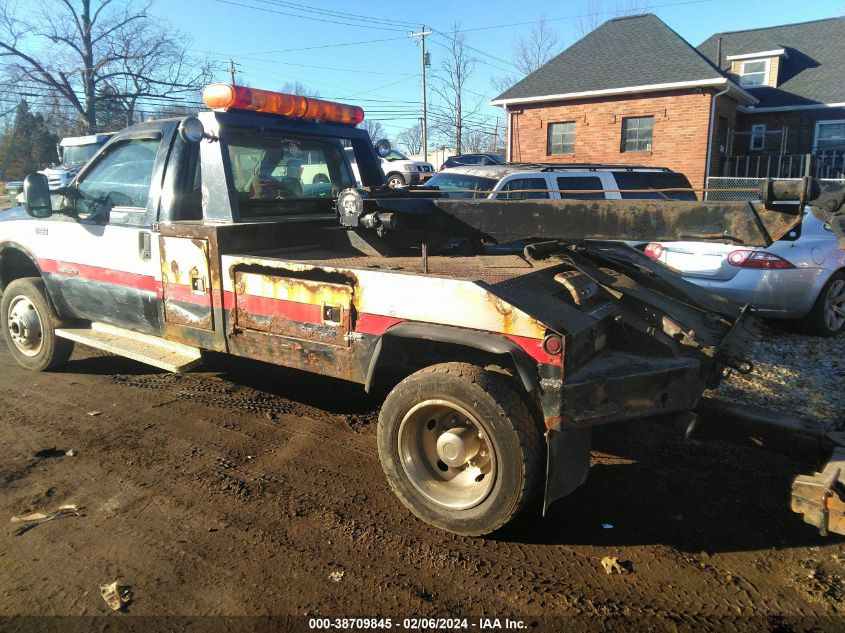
[517,181]
[459,160]
[800,277]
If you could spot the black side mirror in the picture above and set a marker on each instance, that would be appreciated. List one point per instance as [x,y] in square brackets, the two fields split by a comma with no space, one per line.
[36,193]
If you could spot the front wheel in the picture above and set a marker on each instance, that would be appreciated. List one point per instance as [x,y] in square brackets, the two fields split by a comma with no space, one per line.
[395,180]
[29,323]
[460,448]
[827,318]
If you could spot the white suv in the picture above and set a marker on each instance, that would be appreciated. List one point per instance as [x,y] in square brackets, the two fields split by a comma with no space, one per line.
[518,181]
[401,171]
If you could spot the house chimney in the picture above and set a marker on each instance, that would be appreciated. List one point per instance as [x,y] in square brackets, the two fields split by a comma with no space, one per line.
[719,53]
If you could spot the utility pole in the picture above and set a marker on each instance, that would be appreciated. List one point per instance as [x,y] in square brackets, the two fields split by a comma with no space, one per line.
[425,62]
[232,70]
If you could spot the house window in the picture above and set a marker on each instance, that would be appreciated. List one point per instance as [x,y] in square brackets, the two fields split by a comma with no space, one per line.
[636,133]
[561,138]
[758,137]
[754,73]
[830,136]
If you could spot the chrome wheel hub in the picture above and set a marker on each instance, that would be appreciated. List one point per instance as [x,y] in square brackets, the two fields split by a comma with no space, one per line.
[834,305]
[446,454]
[24,324]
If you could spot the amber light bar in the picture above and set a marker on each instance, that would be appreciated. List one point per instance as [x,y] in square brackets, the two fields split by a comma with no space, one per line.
[230,97]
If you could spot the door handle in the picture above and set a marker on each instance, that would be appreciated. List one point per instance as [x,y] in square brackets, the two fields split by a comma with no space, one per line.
[144,245]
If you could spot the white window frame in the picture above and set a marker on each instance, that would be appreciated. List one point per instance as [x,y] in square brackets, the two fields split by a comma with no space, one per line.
[819,124]
[549,138]
[742,75]
[758,131]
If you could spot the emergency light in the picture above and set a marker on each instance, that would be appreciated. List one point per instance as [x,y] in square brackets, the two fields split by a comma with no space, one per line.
[230,97]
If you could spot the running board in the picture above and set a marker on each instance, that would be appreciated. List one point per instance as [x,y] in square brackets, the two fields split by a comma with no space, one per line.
[152,350]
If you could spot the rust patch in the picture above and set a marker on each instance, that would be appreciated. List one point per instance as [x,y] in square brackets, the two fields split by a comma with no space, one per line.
[291,307]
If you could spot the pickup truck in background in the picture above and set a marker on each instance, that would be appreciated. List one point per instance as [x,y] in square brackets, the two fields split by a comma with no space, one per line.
[73,152]
[501,331]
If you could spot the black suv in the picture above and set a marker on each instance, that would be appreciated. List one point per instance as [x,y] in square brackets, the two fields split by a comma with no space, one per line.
[460,160]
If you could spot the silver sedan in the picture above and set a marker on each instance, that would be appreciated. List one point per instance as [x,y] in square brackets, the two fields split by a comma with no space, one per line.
[801,277]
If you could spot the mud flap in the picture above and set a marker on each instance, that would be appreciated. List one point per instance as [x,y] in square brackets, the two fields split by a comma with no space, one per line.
[821,497]
[567,462]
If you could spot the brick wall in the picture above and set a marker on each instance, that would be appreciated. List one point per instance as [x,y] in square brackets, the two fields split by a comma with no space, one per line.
[725,107]
[679,138]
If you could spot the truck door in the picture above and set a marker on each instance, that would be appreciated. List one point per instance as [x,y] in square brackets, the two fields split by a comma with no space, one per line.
[106,261]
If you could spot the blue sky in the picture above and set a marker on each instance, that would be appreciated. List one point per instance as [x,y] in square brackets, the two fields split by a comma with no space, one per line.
[383,76]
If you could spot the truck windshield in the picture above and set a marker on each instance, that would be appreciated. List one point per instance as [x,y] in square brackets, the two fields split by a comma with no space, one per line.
[272,172]
[462,185]
[78,155]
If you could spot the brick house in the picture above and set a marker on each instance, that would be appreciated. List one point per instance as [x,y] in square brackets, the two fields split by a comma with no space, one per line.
[635,92]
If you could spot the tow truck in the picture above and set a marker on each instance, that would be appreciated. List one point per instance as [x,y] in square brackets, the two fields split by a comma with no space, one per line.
[501,332]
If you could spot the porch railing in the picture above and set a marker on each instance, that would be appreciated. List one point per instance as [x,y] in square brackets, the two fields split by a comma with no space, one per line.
[822,164]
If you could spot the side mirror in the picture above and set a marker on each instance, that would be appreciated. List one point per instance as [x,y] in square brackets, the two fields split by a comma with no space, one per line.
[383,147]
[36,194]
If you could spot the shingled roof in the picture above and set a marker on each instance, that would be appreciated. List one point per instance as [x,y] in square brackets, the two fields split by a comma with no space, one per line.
[630,52]
[811,72]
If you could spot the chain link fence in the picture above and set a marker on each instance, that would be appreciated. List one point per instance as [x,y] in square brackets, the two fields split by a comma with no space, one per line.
[723,188]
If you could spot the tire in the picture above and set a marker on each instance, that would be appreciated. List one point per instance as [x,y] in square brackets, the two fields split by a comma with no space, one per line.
[29,323]
[827,318]
[496,463]
[395,180]
[320,179]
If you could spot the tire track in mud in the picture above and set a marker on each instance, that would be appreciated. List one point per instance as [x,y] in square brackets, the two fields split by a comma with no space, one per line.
[500,566]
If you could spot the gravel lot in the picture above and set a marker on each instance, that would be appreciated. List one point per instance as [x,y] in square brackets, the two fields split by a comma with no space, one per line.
[794,374]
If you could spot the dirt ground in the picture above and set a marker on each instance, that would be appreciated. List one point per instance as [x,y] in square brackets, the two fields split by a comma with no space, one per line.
[245,489]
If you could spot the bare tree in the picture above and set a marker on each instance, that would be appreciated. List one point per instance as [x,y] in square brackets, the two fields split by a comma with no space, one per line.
[531,51]
[375,129]
[595,13]
[299,88]
[78,49]
[450,85]
[411,139]
[152,65]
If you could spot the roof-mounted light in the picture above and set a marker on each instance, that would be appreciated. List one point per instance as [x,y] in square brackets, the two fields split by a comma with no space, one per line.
[230,97]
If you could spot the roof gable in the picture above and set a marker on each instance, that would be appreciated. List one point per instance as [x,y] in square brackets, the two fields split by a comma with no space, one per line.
[621,53]
[812,72]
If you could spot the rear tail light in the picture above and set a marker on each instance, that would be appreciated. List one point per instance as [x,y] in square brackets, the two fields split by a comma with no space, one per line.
[757,259]
[442,167]
[552,344]
[654,250]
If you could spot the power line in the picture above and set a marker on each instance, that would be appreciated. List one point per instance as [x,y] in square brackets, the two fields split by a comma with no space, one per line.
[305,17]
[304,48]
[340,14]
[380,87]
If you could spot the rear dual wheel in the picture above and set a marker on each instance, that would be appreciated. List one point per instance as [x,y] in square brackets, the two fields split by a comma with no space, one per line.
[460,448]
